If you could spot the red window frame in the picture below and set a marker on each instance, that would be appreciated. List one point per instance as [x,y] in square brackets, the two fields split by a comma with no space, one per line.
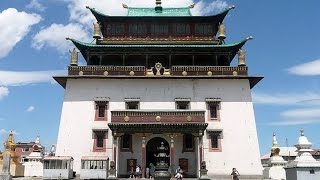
[218,135]
[217,105]
[95,141]
[98,105]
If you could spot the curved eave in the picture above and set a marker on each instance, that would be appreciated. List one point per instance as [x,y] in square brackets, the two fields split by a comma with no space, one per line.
[103,17]
[157,127]
[253,80]
[83,47]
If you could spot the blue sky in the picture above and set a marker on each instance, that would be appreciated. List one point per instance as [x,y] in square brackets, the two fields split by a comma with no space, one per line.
[285,50]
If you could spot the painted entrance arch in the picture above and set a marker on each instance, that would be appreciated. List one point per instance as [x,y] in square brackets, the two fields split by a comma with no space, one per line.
[152,150]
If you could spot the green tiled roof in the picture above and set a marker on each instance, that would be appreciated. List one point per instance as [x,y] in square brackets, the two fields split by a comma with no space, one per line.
[165,12]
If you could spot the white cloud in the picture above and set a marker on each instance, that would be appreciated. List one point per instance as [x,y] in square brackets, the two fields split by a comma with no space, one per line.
[14,26]
[307,69]
[293,122]
[34,4]
[55,36]
[30,109]
[15,78]
[4,91]
[302,113]
[285,98]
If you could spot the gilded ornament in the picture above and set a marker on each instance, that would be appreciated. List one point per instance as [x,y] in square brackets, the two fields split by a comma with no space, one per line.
[209,73]
[235,73]
[73,57]
[131,73]
[80,73]
[189,118]
[184,73]
[106,73]
[126,118]
[158,118]
[241,57]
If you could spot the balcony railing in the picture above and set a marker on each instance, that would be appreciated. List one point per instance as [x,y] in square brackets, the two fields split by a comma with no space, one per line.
[168,116]
[142,71]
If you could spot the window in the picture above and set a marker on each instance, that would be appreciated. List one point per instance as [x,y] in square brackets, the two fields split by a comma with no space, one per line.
[215,141]
[188,143]
[99,140]
[182,103]
[132,103]
[101,108]
[213,107]
[126,143]
[25,149]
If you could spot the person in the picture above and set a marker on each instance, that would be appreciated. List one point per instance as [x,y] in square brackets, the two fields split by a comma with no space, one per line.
[131,172]
[235,174]
[147,172]
[179,173]
[152,170]
[138,171]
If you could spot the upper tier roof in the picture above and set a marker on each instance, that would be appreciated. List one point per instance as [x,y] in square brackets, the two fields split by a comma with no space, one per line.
[166,12]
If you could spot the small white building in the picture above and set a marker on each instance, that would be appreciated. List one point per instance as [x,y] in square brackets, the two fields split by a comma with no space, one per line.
[58,167]
[34,165]
[304,167]
[276,163]
[94,167]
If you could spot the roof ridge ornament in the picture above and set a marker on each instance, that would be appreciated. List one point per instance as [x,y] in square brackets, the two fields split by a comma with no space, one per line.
[124,6]
[192,5]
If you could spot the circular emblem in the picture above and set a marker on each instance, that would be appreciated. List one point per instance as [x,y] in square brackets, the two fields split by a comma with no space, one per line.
[158,118]
[80,73]
[209,73]
[235,73]
[184,73]
[131,73]
[106,73]
[126,118]
[189,118]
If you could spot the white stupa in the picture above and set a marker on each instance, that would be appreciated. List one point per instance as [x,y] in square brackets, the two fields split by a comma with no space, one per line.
[34,166]
[304,166]
[276,163]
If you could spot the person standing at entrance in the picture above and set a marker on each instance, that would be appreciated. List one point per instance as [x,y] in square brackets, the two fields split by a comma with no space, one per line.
[235,174]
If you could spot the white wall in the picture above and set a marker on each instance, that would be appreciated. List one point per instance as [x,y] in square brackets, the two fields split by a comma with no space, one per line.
[239,144]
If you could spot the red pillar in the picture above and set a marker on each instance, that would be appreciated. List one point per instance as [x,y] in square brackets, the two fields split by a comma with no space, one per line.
[172,152]
[143,157]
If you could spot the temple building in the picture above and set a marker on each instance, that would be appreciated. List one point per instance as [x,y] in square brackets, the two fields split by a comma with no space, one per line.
[16,168]
[160,75]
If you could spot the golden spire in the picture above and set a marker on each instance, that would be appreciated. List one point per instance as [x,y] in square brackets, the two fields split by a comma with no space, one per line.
[9,145]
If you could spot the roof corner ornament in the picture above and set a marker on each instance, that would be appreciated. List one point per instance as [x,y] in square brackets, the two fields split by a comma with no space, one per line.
[222,33]
[124,6]
[249,38]
[96,31]
[73,57]
[241,57]
[192,5]
[232,7]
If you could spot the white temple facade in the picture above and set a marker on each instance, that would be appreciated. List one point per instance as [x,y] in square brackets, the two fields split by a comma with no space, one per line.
[135,93]
[276,163]
[34,166]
